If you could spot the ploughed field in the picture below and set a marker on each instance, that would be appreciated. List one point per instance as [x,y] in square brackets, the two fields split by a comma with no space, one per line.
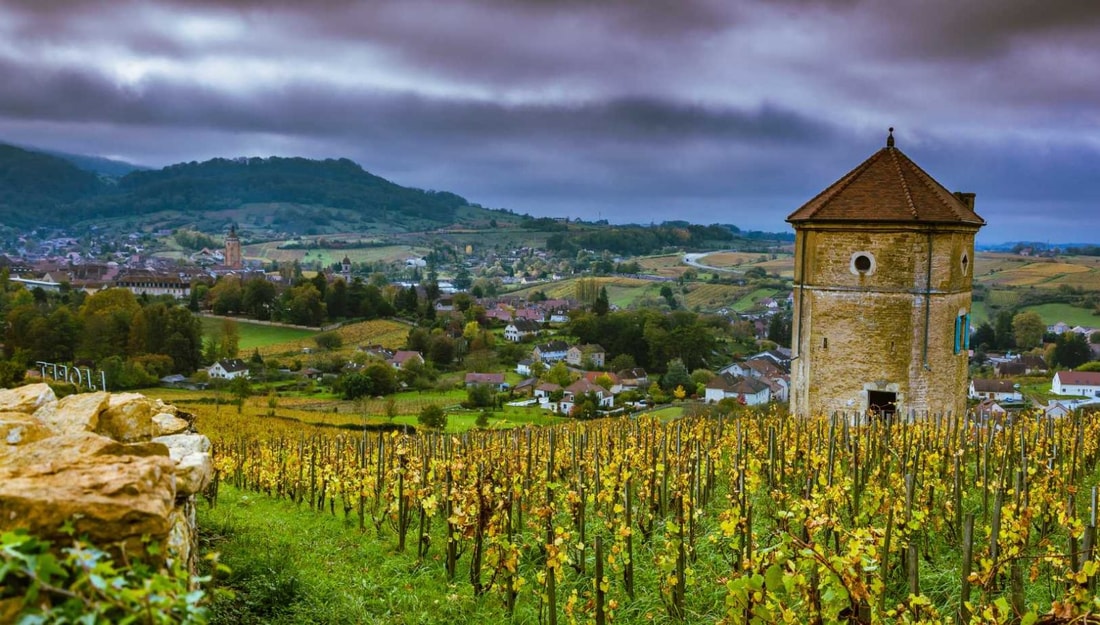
[749,518]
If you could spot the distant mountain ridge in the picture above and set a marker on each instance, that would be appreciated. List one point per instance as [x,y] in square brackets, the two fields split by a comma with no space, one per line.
[42,189]
[109,167]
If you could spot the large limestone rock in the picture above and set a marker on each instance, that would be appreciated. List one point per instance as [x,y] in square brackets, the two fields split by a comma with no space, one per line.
[87,459]
[26,398]
[183,539]
[166,424]
[128,417]
[194,465]
[18,428]
[116,494]
[74,413]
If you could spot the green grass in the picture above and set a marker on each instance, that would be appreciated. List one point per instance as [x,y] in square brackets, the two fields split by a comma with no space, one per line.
[749,301]
[290,564]
[464,420]
[668,413]
[1073,315]
[253,335]
[979,313]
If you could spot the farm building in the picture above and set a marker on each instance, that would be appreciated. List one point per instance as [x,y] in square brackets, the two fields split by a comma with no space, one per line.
[228,369]
[1076,383]
[520,329]
[749,390]
[495,380]
[999,390]
[882,285]
[583,387]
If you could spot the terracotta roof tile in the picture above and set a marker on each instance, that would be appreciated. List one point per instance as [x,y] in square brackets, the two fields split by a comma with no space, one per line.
[1079,378]
[887,187]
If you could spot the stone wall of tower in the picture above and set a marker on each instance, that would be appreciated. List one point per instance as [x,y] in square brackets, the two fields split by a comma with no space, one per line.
[859,331]
[233,252]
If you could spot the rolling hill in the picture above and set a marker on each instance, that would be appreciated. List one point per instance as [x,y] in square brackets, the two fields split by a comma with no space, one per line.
[43,189]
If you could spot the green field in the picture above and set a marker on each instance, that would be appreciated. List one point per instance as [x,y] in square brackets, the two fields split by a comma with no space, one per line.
[749,301]
[291,565]
[979,313]
[388,253]
[1073,315]
[255,335]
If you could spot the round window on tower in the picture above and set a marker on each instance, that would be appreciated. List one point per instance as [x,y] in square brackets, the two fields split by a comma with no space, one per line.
[862,264]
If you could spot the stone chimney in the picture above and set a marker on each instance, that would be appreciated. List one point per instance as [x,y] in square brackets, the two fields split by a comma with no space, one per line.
[966,198]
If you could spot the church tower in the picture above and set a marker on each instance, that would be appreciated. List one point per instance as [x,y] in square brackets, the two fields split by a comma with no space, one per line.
[233,249]
[883,265]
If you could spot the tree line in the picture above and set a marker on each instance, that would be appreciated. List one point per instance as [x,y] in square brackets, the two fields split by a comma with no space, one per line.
[135,341]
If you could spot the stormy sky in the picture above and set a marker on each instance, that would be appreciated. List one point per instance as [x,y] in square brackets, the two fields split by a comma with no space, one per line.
[640,111]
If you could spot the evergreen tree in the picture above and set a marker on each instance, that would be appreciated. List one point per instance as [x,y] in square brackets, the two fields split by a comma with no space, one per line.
[601,306]
[677,375]
[1071,351]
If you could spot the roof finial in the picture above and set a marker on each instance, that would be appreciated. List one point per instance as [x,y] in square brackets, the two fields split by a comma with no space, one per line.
[890,138]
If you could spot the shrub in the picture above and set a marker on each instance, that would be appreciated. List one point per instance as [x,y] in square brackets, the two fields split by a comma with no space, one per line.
[432,416]
[83,584]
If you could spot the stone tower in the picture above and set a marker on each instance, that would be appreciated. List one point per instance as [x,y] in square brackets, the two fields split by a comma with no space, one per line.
[233,249]
[883,266]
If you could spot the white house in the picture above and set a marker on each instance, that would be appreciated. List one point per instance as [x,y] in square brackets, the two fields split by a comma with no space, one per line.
[990,410]
[523,367]
[582,387]
[1076,383]
[520,329]
[228,369]
[401,358]
[750,390]
[550,352]
[543,394]
[998,390]
[1059,328]
[1057,410]
[578,354]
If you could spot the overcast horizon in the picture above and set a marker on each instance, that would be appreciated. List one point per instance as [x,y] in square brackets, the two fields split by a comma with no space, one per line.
[626,110]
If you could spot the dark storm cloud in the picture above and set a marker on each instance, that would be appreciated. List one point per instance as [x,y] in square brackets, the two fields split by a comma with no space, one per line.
[72,94]
[702,109]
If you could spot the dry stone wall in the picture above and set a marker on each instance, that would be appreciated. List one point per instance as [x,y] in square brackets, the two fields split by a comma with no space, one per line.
[121,467]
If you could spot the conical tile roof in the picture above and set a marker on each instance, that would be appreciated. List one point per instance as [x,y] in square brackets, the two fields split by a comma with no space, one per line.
[887,187]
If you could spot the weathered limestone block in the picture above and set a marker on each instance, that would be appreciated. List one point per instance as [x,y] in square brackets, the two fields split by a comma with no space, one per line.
[18,428]
[159,406]
[128,417]
[183,540]
[26,398]
[166,424]
[74,413]
[194,465]
[113,493]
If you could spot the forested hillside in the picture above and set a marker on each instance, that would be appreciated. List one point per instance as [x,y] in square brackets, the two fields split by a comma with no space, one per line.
[38,189]
[32,184]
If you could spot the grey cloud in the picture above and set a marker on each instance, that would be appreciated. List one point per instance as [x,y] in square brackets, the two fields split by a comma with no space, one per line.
[588,108]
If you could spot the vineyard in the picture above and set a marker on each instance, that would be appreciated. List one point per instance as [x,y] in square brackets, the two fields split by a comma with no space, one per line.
[384,332]
[756,518]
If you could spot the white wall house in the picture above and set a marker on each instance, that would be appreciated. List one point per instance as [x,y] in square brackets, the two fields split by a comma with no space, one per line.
[550,352]
[751,390]
[582,387]
[520,329]
[997,390]
[1076,383]
[228,369]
